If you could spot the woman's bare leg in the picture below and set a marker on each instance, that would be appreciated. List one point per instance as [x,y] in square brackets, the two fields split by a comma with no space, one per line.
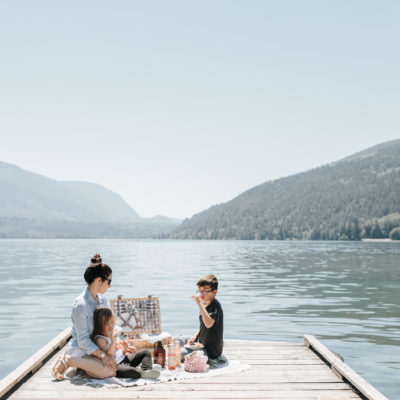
[92,366]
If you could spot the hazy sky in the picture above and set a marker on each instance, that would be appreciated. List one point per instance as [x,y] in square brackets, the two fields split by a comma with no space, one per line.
[179,105]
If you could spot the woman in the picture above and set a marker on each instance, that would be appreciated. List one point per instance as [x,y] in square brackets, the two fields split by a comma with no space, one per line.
[83,353]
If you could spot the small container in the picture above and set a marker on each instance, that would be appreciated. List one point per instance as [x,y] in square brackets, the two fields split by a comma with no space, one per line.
[178,353]
[171,357]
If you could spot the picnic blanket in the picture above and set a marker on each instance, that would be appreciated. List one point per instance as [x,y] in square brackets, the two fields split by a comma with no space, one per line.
[220,366]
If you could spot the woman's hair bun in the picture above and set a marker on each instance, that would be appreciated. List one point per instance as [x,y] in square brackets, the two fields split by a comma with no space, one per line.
[95,260]
[96,269]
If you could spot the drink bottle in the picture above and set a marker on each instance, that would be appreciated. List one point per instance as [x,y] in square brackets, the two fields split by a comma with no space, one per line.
[159,354]
[178,353]
[171,357]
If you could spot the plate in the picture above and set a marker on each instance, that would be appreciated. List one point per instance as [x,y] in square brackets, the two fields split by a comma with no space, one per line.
[194,346]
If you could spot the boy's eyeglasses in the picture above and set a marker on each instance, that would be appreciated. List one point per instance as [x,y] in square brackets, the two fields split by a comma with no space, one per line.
[109,281]
[203,291]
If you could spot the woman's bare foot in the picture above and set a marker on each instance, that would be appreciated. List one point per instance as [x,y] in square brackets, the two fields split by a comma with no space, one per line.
[60,367]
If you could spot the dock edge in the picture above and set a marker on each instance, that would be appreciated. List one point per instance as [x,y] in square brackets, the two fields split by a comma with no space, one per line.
[33,363]
[343,370]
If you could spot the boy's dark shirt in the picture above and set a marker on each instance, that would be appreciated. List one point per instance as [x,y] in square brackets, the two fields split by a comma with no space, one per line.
[212,338]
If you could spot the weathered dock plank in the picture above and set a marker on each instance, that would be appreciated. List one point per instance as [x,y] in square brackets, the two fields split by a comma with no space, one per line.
[278,371]
[204,385]
[343,370]
[243,394]
[34,362]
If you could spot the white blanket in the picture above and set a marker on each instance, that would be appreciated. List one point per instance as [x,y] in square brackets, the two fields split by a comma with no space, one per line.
[221,368]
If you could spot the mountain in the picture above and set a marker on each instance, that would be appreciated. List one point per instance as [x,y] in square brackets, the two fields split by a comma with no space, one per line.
[28,195]
[32,205]
[356,197]
[161,219]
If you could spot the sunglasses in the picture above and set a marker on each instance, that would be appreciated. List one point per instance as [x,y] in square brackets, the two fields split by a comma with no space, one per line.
[203,291]
[109,281]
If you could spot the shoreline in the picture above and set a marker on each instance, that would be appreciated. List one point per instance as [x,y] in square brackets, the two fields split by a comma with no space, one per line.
[149,239]
[379,240]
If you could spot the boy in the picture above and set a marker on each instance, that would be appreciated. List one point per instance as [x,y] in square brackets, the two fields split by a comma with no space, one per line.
[210,334]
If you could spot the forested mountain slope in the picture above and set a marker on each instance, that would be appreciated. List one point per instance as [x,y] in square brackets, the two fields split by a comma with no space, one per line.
[356,197]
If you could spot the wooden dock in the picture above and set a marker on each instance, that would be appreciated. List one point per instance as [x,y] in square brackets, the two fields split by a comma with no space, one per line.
[279,370]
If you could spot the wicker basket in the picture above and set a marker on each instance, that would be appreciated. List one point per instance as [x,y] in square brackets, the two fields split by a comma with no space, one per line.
[137,316]
[142,344]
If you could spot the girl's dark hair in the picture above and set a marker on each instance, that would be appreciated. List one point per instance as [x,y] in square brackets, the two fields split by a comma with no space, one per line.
[100,318]
[96,269]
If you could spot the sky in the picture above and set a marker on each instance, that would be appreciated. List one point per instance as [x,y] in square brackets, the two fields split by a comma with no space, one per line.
[180,105]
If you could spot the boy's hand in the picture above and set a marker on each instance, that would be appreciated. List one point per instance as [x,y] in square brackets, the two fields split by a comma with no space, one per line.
[197,299]
[192,339]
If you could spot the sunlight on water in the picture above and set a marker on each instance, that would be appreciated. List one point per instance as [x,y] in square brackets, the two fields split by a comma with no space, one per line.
[346,294]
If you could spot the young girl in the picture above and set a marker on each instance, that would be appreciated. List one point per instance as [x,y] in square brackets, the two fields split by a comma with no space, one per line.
[105,336]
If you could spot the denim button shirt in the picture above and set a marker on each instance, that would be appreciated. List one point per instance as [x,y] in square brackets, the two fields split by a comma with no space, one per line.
[82,320]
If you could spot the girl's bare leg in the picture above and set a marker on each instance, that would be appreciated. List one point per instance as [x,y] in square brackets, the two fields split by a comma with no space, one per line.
[92,366]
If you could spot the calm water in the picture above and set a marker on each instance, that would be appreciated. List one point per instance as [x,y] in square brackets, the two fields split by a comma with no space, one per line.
[346,294]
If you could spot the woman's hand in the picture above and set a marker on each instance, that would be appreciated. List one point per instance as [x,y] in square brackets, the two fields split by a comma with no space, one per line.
[109,362]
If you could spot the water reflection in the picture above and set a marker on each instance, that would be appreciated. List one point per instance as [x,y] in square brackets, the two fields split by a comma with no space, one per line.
[346,294]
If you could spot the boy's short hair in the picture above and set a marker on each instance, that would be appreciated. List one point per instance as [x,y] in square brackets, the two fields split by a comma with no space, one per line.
[208,280]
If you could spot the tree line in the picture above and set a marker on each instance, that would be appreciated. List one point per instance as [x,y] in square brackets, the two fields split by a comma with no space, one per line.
[355,198]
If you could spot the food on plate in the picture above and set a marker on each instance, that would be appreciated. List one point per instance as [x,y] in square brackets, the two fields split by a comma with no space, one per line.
[194,346]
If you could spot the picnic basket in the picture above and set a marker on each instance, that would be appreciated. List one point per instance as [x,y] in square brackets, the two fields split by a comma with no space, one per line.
[136,316]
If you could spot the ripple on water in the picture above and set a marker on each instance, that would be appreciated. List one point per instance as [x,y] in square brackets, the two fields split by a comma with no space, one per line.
[346,294]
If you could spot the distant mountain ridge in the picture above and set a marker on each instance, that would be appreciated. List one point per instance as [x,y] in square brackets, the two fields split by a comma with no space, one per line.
[33,205]
[29,195]
[356,197]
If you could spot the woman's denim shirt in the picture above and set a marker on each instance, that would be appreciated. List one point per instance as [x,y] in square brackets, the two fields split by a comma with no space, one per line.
[82,320]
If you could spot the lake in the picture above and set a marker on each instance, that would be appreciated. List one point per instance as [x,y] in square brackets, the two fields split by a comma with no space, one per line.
[347,294]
